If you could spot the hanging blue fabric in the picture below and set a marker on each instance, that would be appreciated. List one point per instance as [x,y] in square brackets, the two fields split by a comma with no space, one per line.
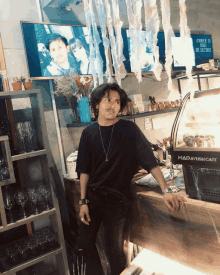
[84,109]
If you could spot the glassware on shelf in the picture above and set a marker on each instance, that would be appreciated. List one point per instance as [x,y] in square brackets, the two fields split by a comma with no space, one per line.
[9,202]
[21,198]
[20,136]
[33,196]
[45,191]
[12,254]
[27,132]
[34,247]
[51,241]
[4,172]
[23,250]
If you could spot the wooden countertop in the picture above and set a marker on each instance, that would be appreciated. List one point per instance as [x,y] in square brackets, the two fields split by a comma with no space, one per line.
[190,236]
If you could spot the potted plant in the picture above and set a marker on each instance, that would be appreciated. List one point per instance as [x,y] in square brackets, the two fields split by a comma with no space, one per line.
[76,89]
[17,83]
[28,85]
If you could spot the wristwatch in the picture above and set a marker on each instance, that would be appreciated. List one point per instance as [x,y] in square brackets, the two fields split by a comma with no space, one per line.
[167,190]
[83,201]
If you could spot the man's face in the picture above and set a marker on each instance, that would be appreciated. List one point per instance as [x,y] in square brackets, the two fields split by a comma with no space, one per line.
[59,51]
[109,106]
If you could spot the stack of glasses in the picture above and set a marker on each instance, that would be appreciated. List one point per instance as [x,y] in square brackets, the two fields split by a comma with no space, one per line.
[42,241]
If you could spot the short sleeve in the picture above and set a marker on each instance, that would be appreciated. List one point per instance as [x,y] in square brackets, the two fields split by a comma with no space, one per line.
[83,164]
[145,155]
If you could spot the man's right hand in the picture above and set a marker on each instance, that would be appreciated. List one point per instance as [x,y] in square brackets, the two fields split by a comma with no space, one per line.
[84,214]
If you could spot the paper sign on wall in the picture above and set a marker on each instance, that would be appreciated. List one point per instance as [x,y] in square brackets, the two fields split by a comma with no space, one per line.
[148,124]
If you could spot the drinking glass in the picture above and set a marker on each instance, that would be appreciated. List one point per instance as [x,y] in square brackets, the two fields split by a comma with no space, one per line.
[42,242]
[34,247]
[4,172]
[23,250]
[45,191]
[51,241]
[8,201]
[20,135]
[21,198]
[28,136]
[12,254]
[33,196]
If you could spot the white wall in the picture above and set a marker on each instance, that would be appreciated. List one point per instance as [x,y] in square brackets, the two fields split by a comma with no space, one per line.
[203,17]
[12,12]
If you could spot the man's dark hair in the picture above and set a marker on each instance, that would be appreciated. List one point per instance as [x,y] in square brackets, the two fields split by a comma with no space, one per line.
[53,37]
[99,92]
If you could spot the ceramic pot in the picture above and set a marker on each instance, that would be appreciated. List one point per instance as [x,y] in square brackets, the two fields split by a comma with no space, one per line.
[28,85]
[17,86]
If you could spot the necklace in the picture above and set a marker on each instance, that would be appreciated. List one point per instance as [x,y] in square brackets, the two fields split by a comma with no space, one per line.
[106,155]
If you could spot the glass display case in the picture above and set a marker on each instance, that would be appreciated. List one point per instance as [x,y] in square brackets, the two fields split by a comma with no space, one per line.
[195,143]
[196,130]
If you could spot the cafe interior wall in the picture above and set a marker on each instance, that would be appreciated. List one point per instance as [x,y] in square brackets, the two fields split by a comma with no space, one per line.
[203,17]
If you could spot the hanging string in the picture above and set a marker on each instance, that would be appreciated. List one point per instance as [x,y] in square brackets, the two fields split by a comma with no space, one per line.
[152,24]
[136,38]
[168,33]
[185,33]
[102,21]
[4,74]
[114,29]
[117,26]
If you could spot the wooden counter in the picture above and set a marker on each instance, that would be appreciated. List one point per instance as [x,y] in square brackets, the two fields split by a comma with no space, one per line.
[190,236]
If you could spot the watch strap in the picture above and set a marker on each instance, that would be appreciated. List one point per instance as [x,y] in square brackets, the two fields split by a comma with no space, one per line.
[167,190]
[83,201]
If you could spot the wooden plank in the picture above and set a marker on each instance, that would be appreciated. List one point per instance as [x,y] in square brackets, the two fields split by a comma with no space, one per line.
[190,237]
[153,113]
[43,215]
[2,210]
[29,155]
[3,138]
[9,162]
[3,67]
[19,94]
[32,262]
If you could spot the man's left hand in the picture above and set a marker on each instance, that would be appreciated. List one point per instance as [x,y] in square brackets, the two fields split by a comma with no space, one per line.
[173,201]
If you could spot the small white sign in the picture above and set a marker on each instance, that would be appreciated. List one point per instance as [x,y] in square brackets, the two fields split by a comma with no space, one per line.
[183,52]
[148,124]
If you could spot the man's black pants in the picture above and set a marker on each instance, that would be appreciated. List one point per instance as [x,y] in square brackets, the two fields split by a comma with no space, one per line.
[115,225]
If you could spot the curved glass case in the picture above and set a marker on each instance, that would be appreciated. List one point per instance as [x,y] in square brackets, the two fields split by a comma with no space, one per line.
[196,130]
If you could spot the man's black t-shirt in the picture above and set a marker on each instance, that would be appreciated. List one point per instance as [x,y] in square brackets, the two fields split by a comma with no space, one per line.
[128,149]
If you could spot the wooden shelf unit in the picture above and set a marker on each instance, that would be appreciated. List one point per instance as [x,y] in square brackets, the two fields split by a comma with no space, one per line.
[46,161]
[36,260]
[31,218]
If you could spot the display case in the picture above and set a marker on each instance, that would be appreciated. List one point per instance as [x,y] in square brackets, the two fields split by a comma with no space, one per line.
[195,142]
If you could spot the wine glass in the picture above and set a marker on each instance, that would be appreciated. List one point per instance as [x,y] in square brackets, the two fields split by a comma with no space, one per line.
[28,136]
[33,196]
[20,135]
[4,172]
[21,198]
[45,191]
[8,201]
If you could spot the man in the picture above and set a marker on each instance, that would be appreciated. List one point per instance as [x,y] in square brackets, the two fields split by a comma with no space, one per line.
[62,63]
[109,154]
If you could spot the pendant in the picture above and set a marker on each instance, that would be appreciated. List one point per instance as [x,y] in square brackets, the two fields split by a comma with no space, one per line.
[106,159]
